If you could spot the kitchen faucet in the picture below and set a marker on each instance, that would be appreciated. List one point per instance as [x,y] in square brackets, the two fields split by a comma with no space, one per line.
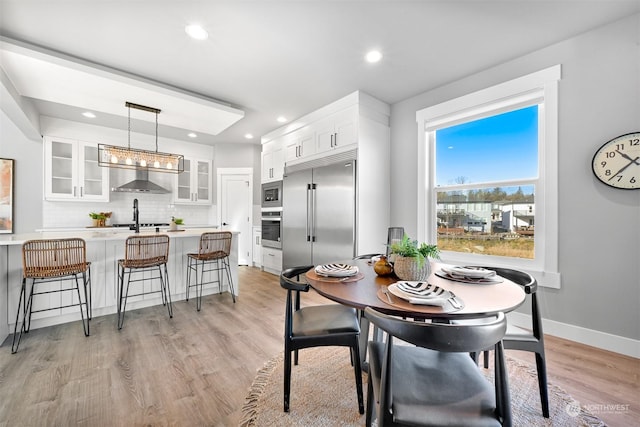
[136,215]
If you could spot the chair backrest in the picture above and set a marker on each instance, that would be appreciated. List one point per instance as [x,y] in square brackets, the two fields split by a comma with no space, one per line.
[293,302]
[287,278]
[215,244]
[53,257]
[366,256]
[146,251]
[530,286]
[441,336]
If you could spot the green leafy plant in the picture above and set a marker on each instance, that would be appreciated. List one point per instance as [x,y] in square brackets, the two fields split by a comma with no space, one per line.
[412,249]
[100,215]
[178,221]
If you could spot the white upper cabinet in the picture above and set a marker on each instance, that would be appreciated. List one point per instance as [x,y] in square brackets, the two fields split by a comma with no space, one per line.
[337,131]
[193,186]
[272,161]
[300,144]
[72,171]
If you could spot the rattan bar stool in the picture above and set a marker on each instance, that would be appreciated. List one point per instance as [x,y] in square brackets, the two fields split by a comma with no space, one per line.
[214,250]
[53,260]
[145,256]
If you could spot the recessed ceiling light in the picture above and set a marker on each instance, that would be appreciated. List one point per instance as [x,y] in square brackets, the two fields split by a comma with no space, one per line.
[248,136]
[89,114]
[192,135]
[196,32]
[373,56]
[282,119]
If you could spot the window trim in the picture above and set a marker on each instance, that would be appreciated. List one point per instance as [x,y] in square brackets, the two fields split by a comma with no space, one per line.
[540,86]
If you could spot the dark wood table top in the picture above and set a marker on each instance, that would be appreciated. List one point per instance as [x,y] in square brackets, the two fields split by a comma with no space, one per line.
[480,300]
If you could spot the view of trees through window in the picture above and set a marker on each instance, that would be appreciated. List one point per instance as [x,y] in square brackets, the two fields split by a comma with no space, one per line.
[485,176]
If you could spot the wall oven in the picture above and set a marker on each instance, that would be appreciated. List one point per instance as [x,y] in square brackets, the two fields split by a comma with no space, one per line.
[272,228]
[272,194]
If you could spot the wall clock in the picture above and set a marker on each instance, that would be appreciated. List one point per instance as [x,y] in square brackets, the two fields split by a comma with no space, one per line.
[617,162]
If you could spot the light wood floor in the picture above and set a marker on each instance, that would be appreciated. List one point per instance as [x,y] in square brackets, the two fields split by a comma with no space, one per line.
[196,368]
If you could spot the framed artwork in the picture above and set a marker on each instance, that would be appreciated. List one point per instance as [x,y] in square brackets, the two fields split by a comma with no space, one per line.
[6,196]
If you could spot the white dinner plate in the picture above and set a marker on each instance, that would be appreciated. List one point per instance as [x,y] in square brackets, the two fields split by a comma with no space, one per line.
[438,296]
[470,272]
[336,270]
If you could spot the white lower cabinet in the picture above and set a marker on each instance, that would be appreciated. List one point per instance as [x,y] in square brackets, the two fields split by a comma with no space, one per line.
[271,260]
[257,247]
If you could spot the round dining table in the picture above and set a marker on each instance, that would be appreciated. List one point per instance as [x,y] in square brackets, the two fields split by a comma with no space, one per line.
[366,289]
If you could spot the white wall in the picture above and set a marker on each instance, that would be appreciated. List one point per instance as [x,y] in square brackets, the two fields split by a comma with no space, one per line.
[27,153]
[599,98]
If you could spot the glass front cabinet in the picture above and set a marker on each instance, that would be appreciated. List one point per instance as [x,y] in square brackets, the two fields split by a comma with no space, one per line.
[72,173]
[193,186]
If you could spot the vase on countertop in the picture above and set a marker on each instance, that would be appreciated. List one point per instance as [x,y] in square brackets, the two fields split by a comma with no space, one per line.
[173,226]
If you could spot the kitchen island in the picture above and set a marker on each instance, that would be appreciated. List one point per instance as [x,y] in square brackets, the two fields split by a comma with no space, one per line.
[104,248]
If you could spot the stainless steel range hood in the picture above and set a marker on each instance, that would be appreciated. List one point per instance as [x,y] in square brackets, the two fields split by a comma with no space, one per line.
[141,185]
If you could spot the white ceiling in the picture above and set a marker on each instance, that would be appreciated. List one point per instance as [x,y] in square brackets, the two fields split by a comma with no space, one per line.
[265,58]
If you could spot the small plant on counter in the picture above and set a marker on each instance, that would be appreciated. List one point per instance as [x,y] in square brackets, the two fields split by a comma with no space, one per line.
[100,215]
[177,221]
[411,249]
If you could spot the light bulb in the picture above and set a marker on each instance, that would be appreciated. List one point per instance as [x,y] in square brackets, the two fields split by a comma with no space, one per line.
[114,159]
[143,163]
[156,164]
[169,165]
[128,161]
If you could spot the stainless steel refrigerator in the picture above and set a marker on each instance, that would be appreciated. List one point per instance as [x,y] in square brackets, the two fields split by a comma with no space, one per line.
[318,214]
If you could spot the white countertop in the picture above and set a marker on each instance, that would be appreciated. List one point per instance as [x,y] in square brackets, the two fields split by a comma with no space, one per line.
[107,233]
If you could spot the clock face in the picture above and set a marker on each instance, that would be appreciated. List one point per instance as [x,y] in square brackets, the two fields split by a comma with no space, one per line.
[617,162]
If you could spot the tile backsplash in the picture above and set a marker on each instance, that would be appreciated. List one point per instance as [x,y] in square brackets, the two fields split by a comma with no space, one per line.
[156,208]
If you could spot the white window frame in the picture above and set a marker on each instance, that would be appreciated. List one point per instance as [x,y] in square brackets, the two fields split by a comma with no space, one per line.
[541,86]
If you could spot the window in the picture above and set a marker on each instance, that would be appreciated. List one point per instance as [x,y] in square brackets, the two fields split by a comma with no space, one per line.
[489,166]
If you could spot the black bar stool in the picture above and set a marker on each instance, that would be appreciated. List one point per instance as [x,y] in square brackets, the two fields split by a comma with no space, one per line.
[214,250]
[144,255]
[52,260]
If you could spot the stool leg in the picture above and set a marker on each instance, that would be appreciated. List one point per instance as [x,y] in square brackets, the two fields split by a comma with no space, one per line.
[88,288]
[85,322]
[123,293]
[188,275]
[22,304]
[227,267]
[167,290]
[199,285]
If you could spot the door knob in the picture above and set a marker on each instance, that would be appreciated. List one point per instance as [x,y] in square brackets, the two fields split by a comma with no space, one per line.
[224,223]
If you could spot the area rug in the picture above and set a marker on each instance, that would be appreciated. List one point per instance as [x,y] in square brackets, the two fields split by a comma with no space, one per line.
[323,394]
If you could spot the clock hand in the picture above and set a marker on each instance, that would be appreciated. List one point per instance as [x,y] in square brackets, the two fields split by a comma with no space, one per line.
[628,157]
[628,164]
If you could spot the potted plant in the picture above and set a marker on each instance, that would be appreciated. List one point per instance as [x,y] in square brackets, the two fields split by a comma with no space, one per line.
[99,219]
[411,259]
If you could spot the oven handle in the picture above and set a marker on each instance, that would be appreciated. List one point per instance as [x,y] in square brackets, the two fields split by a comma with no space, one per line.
[271,218]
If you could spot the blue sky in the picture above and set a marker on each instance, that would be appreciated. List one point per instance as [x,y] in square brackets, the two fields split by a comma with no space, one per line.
[491,149]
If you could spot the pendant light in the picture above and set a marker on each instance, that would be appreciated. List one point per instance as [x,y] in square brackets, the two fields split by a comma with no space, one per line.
[113,156]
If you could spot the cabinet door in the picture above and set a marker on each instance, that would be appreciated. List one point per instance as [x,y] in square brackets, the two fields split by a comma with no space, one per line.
[183,191]
[93,179]
[202,181]
[61,165]
[193,186]
[337,131]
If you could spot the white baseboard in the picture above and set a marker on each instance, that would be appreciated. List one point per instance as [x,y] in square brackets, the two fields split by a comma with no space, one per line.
[602,340]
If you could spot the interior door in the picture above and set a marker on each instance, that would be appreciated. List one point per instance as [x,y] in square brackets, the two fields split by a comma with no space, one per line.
[235,200]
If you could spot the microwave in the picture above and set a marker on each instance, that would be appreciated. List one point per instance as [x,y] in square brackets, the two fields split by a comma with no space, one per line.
[272,195]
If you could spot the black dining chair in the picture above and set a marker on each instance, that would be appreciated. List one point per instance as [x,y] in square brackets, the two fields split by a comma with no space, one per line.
[434,382]
[518,338]
[315,326]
